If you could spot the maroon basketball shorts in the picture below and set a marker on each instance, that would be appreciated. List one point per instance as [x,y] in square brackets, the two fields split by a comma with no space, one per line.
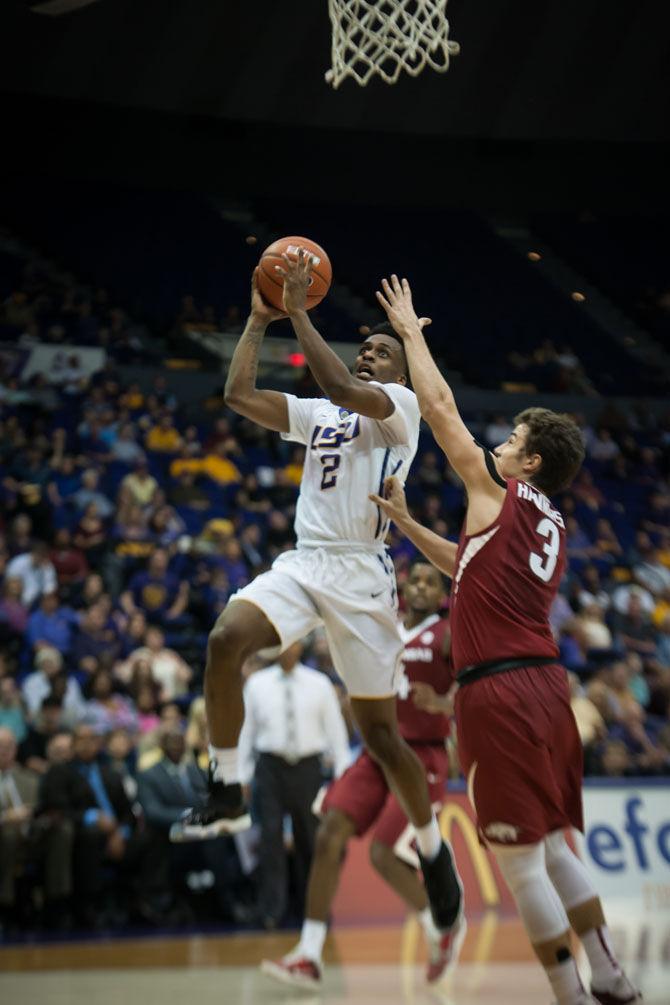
[363,795]
[521,754]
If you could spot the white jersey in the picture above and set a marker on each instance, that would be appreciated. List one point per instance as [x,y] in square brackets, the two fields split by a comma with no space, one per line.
[348,457]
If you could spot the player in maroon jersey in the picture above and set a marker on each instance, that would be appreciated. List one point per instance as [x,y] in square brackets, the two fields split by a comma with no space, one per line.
[361,799]
[518,741]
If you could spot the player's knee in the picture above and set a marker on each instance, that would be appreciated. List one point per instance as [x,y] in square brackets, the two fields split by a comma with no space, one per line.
[520,866]
[380,857]
[331,838]
[556,849]
[227,642]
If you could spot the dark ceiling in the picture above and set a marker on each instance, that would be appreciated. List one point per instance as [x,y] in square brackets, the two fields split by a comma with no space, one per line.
[558,104]
[528,69]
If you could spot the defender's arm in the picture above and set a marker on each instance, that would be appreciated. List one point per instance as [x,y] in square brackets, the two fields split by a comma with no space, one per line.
[438,551]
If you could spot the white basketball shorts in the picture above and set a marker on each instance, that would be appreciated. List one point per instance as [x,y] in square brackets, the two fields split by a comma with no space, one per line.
[352,593]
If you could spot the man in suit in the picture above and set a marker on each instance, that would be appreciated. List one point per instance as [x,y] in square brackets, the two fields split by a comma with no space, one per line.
[23,837]
[91,795]
[165,791]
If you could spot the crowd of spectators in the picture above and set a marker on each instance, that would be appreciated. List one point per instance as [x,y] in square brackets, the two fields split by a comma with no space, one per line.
[125,525]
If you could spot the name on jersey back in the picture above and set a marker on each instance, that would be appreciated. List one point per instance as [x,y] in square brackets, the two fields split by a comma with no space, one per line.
[525,491]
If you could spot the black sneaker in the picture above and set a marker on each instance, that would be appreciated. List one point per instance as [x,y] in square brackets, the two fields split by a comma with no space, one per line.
[223,813]
[444,889]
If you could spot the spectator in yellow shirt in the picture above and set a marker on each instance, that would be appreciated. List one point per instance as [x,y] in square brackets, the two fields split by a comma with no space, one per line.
[163,438]
[293,469]
[215,466]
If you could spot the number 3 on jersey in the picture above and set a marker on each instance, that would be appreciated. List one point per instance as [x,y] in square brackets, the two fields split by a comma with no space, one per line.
[330,463]
[544,566]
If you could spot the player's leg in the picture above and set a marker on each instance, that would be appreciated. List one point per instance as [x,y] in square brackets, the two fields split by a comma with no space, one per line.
[504,728]
[578,895]
[568,874]
[545,920]
[350,806]
[393,854]
[242,629]
[272,610]
[302,967]
[378,724]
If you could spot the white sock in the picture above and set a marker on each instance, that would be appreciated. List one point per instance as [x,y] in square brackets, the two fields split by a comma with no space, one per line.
[598,947]
[429,928]
[312,938]
[224,761]
[429,839]
[565,981]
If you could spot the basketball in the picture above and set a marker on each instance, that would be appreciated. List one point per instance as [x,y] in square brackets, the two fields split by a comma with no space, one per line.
[271,283]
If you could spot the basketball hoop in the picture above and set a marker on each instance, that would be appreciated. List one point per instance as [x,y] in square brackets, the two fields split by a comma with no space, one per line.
[384,37]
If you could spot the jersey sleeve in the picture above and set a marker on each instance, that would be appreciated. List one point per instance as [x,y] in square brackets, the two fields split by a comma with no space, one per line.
[300,418]
[402,425]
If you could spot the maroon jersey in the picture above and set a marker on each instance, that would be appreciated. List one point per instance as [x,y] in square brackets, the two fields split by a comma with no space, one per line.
[423,661]
[505,580]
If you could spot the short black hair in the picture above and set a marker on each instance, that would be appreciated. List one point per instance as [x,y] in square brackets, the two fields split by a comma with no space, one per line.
[386,328]
[422,560]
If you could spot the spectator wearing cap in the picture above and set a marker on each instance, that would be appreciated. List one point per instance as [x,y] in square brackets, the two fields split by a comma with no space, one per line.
[37,685]
[36,572]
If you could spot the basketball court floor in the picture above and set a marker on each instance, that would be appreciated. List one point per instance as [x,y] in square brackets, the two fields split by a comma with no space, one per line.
[365,966]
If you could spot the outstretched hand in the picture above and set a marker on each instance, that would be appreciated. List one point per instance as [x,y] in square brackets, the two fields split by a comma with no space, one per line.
[393,502]
[297,276]
[397,302]
[261,310]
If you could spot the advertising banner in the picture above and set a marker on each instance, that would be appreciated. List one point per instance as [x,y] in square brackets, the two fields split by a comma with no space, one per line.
[627,841]
[626,848]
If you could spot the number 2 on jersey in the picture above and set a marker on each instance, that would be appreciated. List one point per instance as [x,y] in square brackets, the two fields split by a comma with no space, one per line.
[544,566]
[331,463]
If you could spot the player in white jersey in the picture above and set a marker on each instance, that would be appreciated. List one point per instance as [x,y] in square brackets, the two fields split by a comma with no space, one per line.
[339,575]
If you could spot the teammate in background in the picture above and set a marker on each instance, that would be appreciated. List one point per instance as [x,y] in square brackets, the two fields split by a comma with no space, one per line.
[361,799]
[340,574]
[517,737]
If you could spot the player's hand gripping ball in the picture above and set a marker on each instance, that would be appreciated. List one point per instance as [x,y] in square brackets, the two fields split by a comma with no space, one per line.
[271,282]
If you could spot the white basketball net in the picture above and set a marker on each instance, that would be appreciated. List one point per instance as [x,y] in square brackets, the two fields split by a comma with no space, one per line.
[385,37]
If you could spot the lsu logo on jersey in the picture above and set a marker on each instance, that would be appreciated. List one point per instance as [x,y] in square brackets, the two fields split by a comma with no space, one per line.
[334,437]
[330,440]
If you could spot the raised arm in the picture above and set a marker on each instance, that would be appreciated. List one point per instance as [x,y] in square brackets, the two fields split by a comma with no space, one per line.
[437,550]
[267,408]
[330,373]
[436,400]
